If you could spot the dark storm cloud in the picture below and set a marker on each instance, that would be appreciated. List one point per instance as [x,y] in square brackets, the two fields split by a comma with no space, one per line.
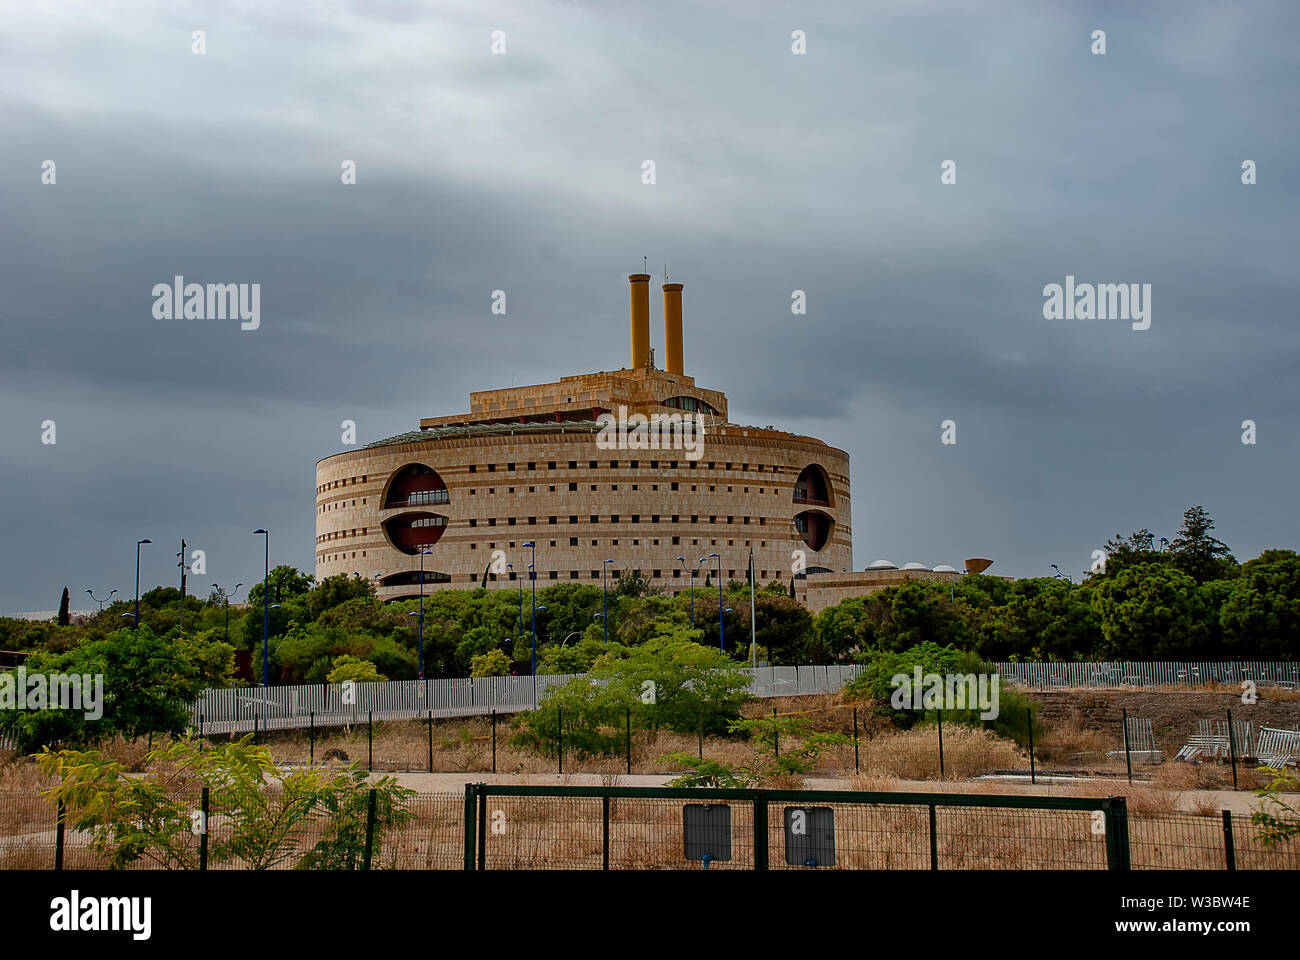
[522,173]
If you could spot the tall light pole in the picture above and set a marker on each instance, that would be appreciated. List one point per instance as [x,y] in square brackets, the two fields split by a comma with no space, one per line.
[226,597]
[511,566]
[101,602]
[266,609]
[692,572]
[605,600]
[423,554]
[532,577]
[753,627]
[136,626]
[721,645]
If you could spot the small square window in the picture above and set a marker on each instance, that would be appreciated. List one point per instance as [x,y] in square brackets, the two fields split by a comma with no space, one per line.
[553,520]
[595,519]
[531,466]
[473,522]
[473,468]
[550,465]
[510,521]
[573,486]
[510,466]
[573,464]
[492,468]
[492,521]
[613,464]
[591,464]
[573,574]
[573,541]
[572,518]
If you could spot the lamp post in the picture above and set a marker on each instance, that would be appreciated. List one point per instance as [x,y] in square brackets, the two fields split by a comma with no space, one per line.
[1060,576]
[423,554]
[721,646]
[226,597]
[511,566]
[532,578]
[101,602]
[682,560]
[136,626]
[266,608]
[604,590]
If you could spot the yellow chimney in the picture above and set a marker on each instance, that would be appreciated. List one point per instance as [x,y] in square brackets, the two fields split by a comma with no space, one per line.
[673,327]
[640,287]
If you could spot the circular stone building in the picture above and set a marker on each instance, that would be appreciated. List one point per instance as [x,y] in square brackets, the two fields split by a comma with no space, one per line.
[636,467]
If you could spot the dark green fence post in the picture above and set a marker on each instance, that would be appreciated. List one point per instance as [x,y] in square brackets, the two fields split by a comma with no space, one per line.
[1229,848]
[370,741]
[1033,773]
[701,732]
[370,828]
[203,837]
[941,774]
[934,839]
[856,767]
[1115,811]
[471,797]
[1128,758]
[776,735]
[255,728]
[1232,747]
[605,833]
[559,727]
[58,836]
[760,830]
[311,737]
[482,832]
[629,741]
[431,741]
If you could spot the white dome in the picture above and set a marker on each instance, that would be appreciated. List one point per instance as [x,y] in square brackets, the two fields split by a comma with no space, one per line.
[915,566]
[944,568]
[883,565]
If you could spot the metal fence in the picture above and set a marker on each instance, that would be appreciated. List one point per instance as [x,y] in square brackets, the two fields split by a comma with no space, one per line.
[627,828]
[238,710]
[1044,676]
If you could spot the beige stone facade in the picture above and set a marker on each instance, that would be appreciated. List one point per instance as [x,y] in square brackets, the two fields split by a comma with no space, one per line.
[494,483]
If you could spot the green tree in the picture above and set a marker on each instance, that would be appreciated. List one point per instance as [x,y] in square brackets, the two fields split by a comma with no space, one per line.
[149,684]
[1151,612]
[358,671]
[1195,552]
[1261,613]
[269,812]
[494,663]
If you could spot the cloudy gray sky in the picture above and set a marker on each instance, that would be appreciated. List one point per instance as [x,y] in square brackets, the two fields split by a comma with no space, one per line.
[522,172]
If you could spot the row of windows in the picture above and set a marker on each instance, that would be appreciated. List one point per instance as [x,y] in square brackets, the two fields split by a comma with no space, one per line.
[340,534]
[676,541]
[342,483]
[613,465]
[338,504]
[616,518]
[612,574]
[654,487]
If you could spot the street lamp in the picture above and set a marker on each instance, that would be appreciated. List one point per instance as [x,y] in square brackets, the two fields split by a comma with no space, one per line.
[423,554]
[721,646]
[266,608]
[102,602]
[137,582]
[605,600]
[692,572]
[511,566]
[226,597]
[1060,576]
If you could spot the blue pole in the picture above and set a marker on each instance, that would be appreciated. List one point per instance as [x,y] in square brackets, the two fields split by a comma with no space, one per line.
[422,553]
[721,646]
[604,602]
[266,613]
